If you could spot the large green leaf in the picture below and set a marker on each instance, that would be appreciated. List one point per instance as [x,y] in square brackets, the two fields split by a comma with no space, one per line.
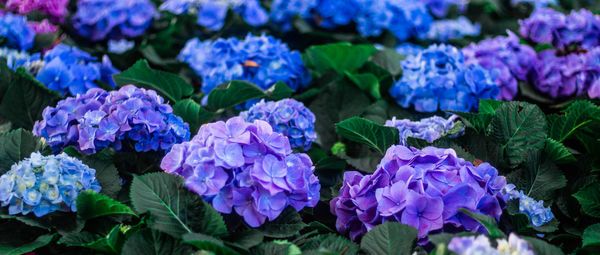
[192,113]
[330,244]
[106,174]
[518,128]
[591,235]
[110,243]
[576,116]
[247,238]
[39,242]
[233,93]
[366,82]
[18,145]
[488,222]
[369,133]
[279,91]
[389,238]
[208,243]
[340,57]
[542,247]
[389,59]
[287,224]
[92,205]
[174,210]
[169,85]
[539,178]
[277,247]
[147,241]
[558,152]
[589,198]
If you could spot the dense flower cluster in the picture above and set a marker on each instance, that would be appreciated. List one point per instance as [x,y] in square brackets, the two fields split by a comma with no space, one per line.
[444,30]
[536,212]
[42,27]
[15,58]
[45,184]
[439,8]
[69,70]
[408,49]
[506,57]
[108,19]
[421,188]
[15,30]
[438,77]
[262,60]
[429,129]
[55,9]
[212,13]
[549,26]
[288,117]
[99,119]
[246,167]
[476,245]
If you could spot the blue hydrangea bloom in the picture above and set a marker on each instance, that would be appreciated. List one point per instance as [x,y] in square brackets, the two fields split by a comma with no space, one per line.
[444,30]
[16,32]
[45,184]
[120,46]
[288,117]
[71,71]
[537,4]
[128,119]
[439,8]
[262,60]
[536,212]
[477,245]
[212,13]
[245,167]
[108,19]
[15,58]
[408,49]
[283,11]
[429,129]
[438,78]
[404,18]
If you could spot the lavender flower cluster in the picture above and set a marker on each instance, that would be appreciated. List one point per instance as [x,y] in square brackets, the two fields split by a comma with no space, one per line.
[45,184]
[474,245]
[16,32]
[55,9]
[429,129]
[99,119]
[288,117]
[509,60]
[108,19]
[212,13]
[15,58]
[262,60]
[71,71]
[246,167]
[536,212]
[421,188]
[439,78]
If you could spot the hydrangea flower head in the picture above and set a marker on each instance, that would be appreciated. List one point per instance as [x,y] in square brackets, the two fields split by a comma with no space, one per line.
[537,4]
[438,78]
[55,9]
[120,46]
[429,129]
[439,8]
[15,58]
[212,13]
[421,188]
[506,58]
[99,119]
[283,11]
[288,117]
[408,49]
[45,184]
[262,60]
[536,212]
[444,30]
[43,27]
[69,70]
[107,19]
[16,32]
[473,245]
[403,18]
[245,167]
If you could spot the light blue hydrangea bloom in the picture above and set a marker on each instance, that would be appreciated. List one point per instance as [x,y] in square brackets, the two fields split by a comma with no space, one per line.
[15,58]
[535,210]
[120,46]
[444,30]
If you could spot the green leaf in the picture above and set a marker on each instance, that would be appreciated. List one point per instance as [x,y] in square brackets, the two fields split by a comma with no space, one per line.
[279,91]
[389,60]
[39,242]
[518,128]
[174,210]
[25,99]
[147,241]
[111,243]
[247,238]
[538,178]
[558,152]
[330,244]
[589,199]
[591,235]
[277,247]
[192,113]
[541,247]
[26,219]
[208,243]
[366,132]
[106,174]
[340,57]
[285,225]
[92,205]
[17,145]
[366,82]
[489,106]
[169,85]
[389,238]
[488,222]
[233,93]
[576,116]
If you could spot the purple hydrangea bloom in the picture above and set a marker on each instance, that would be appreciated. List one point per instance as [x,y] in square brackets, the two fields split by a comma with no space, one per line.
[549,26]
[16,32]
[444,30]
[567,76]
[55,9]
[15,58]
[99,119]
[245,167]
[71,71]
[45,184]
[262,60]
[421,188]
[288,117]
[473,245]
[506,57]
[107,19]
[43,27]
[536,212]
[212,13]
[439,78]
[429,129]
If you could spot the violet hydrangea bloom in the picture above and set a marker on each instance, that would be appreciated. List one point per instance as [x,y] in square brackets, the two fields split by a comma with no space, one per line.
[429,129]
[262,60]
[288,117]
[108,19]
[98,119]
[439,78]
[504,56]
[245,167]
[475,245]
[421,188]
[55,9]
[16,32]
[45,184]
[43,27]
[71,71]
[444,30]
